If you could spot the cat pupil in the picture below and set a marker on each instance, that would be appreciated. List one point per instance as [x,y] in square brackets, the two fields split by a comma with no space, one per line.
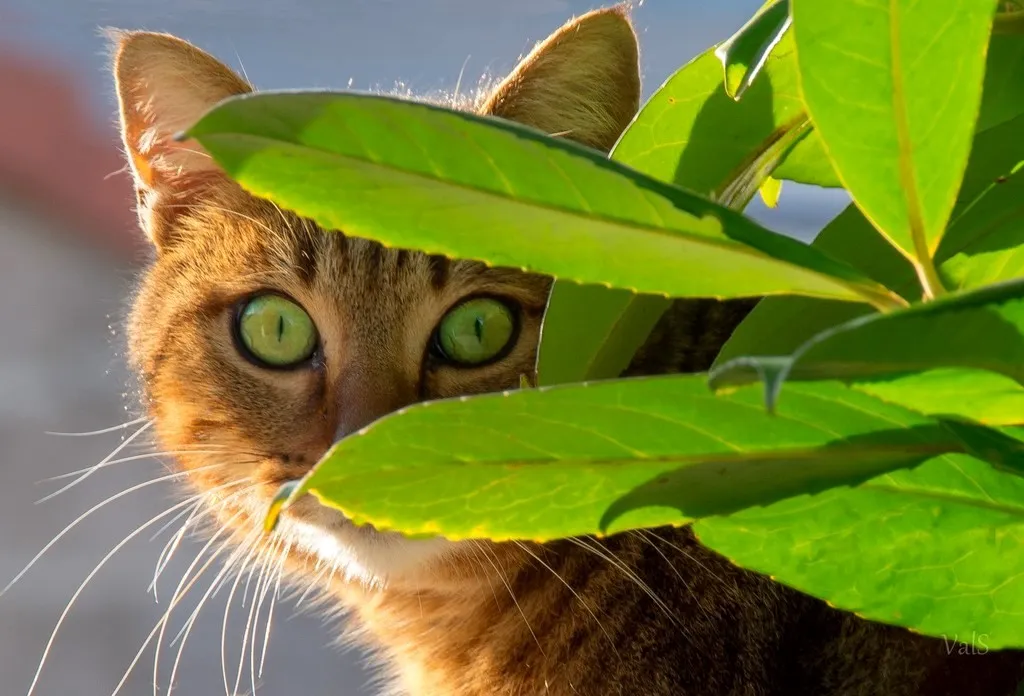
[478,326]
[280,327]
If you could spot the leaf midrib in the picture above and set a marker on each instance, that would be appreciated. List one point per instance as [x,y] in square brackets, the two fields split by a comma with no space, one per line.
[903,140]
[752,457]
[870,289]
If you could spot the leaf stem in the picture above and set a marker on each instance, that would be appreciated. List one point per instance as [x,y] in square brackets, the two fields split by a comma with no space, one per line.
[885,302]
[931,284]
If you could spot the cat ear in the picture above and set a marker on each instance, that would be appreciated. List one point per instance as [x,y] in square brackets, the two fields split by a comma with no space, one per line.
[164,85]
[582,82]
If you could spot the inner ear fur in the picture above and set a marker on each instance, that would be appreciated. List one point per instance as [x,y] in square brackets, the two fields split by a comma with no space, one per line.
[164,85]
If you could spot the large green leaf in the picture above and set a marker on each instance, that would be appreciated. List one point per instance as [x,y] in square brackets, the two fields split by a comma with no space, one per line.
[983,329]
[893,88]
[608,456]
[939,548]
[418,176]
[744,53]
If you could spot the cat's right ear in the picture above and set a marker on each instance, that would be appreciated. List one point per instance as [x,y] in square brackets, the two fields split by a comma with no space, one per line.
[164,85]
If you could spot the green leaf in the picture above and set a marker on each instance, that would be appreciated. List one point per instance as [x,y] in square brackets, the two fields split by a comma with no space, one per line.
[691,125]
[744,53]
[1002,98]
[985,397]
[779,325]
[690,132]
[893,88]
[985,243]
[969,253]
[591,332]
[770,191]
[943,333]
[418,176]
[604,457]
[936,548]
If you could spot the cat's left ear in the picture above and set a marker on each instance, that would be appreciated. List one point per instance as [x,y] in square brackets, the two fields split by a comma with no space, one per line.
[164,85]
[582,82]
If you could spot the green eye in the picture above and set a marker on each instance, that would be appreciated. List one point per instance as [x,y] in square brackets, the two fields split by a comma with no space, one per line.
[276,331]
[475,331]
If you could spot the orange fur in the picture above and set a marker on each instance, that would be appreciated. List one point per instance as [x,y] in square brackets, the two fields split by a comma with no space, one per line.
[652,614]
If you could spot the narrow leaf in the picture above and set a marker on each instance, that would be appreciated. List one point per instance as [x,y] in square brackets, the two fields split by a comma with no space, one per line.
[893,88]
[591,332]
[744,53]
[939,334]
[418,176]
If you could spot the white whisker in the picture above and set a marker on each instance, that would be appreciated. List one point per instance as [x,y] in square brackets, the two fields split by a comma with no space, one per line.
[575,594]
[145,426]
[104,431]
[253,621]
[617,563]
[67,608]
[273,603]
[182,588]
[224,572]
[501,576]
[167,612]
[251,557]
[123,460]
[312,585]
[94,508]
[172,544]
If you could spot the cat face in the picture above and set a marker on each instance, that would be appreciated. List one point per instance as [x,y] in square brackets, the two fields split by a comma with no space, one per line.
[261,339]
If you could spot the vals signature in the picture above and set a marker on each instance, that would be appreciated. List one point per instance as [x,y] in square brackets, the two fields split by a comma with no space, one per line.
[975,645]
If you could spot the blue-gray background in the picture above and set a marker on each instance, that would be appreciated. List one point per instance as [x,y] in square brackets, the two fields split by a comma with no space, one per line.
[60,367]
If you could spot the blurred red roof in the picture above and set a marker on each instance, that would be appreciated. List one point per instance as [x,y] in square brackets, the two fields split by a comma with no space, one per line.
[56,157]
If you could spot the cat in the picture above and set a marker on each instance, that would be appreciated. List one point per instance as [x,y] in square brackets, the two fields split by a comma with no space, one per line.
[259,339]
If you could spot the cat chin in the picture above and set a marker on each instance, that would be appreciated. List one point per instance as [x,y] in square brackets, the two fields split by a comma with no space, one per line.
[359,553]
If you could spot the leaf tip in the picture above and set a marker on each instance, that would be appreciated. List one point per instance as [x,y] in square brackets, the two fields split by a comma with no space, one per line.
[284,497]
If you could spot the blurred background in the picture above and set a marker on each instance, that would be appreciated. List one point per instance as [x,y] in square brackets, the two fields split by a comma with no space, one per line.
[69,253]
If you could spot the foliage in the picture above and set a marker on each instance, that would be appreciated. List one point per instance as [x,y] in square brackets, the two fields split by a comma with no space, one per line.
[884,472]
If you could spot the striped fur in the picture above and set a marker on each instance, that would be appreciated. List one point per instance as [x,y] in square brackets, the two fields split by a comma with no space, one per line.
[649,613]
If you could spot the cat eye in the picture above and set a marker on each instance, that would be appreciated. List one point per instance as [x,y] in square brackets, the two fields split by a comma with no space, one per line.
[475,332]
[275,331]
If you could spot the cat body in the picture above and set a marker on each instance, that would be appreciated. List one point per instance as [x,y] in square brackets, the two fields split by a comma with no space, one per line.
[261,339]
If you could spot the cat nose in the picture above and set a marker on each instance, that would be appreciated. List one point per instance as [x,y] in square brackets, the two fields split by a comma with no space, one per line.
[365,393]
